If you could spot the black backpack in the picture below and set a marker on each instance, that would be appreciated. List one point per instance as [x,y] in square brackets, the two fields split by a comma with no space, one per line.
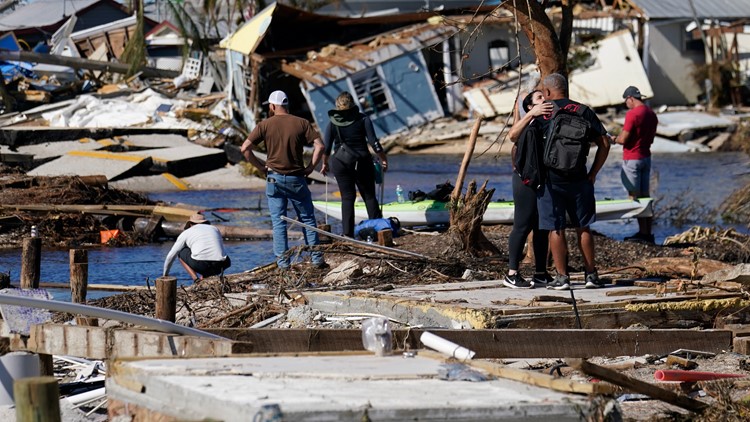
[568,135]
[528,157]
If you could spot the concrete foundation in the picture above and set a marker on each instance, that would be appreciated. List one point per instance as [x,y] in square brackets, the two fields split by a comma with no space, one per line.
[326,388]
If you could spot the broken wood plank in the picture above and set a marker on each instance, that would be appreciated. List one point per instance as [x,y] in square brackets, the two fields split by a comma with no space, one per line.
[636,385]
[494,344]
[78,63]
[105,343]
[537,379]
[675,267]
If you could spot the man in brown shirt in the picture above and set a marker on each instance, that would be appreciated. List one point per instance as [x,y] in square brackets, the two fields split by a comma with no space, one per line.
[285,136]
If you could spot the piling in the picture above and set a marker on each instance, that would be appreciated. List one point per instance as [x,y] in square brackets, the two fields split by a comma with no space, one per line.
[79,279]
[37,399]
[385,237]
[323,239]
[166,298]
[31,259]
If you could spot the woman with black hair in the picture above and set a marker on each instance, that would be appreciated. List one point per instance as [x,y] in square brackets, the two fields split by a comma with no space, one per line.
[525,215]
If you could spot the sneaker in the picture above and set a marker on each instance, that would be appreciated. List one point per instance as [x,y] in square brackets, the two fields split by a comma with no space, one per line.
[515,281]
[541,279]
[321,265]
[593,281]
[561,282]
[640,237]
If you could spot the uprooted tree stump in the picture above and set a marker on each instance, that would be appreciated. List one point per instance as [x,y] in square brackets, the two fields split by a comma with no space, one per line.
[467,213]
[465,231]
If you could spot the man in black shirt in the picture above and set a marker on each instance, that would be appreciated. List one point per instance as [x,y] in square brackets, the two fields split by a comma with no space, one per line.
[571,194]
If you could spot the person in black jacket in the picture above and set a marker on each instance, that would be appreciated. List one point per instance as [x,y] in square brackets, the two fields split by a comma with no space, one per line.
[348,134]
[525,216]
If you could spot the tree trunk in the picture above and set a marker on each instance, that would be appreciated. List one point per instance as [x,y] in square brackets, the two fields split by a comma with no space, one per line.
[541,34]
[566,28]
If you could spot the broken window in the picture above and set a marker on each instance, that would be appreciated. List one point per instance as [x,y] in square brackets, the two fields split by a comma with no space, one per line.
[371,92]
[692,40]
[499,54]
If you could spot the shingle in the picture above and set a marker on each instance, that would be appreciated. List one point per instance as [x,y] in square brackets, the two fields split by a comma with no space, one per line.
[715,9]
[42,13]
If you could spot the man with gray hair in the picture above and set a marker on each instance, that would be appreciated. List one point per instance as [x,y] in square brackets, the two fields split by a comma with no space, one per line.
[567,197]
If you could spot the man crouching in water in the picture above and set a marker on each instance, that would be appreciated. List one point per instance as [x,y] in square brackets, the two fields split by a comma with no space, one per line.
[200,250]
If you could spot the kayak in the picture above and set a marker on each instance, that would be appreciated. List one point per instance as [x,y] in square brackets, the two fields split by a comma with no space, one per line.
[429,212]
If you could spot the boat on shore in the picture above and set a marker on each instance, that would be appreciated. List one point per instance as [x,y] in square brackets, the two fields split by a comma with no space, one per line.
[430,212]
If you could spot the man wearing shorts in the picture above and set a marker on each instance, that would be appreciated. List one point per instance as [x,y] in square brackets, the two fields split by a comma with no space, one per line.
[636,138]
[567,199]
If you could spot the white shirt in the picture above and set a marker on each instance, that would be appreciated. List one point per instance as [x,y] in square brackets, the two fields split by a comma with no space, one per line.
[205,244]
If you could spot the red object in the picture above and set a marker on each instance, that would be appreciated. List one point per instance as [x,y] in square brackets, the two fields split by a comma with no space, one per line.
[107,235]
[691,376]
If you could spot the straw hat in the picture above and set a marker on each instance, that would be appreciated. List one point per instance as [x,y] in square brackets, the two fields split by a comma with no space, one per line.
[197,219]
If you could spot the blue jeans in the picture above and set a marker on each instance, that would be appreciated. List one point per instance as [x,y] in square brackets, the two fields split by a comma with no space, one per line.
[280,191]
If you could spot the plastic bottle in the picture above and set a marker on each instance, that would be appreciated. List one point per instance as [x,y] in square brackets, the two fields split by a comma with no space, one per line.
[34,233]
[400,194]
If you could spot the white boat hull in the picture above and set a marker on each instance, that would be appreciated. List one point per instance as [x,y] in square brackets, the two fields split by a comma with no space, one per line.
[428,212]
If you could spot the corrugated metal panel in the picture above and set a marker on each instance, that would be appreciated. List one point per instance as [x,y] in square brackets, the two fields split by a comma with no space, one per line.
[42,13]
[717,9]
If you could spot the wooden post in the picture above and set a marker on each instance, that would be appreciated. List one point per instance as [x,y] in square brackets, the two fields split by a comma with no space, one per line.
[323,238]
[31,258]
[166,298]
[385,237]
[46,365]
[37,399]
[79,279]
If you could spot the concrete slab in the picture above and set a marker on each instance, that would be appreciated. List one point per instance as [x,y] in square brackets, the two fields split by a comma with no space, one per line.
[672,124]
[154,140]
[228,177]
[185,160]
[329,388]
[473,304]
[89,163]
[57,149]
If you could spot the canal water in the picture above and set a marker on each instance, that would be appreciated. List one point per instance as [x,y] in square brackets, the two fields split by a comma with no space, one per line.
[688,187]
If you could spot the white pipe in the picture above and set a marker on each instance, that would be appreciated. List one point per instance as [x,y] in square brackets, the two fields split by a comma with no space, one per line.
[93,311]
[446,347]
[86,397]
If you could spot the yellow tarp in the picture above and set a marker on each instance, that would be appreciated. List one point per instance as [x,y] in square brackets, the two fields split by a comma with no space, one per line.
[247,38]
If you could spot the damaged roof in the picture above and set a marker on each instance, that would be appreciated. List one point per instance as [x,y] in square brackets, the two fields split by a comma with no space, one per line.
[274,39]
[671,9]
[335,62]
[42,13]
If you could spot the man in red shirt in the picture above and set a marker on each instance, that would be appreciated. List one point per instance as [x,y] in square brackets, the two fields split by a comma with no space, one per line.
[636,138]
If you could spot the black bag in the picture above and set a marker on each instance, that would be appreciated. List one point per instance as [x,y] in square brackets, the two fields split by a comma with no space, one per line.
[346,154]
[567,144]
[441,192]
[528,159]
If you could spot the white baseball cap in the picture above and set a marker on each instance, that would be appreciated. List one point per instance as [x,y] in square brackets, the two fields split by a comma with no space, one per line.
[278,98]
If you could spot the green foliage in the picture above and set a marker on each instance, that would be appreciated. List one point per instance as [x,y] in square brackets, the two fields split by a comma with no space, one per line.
[721,73]
[135,50]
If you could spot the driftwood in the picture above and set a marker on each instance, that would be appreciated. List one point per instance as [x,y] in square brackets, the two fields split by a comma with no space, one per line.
[685,267]
[636,385]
